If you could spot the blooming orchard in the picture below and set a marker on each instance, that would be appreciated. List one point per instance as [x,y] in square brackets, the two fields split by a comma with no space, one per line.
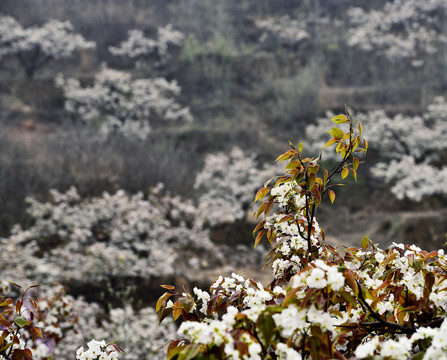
[35,46]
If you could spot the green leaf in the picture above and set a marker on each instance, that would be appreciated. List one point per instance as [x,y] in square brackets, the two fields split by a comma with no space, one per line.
[364,242]
[189,352]
[266,326]
[300,147]
[293,164]
[187,303]
[349,298]
[340,119]
[337,133]
[20,321]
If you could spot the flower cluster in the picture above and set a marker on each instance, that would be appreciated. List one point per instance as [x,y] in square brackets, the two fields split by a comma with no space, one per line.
[118,103]
[97,350]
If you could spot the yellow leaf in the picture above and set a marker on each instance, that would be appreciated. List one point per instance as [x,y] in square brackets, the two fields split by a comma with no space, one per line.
[331,196]
[365,145]
[355,163]
[261,193]
[339,119]
[344,173]
[330,142]
[337,133]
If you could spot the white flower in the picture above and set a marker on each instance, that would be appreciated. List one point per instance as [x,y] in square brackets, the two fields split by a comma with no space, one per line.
[317,279]
[367,348]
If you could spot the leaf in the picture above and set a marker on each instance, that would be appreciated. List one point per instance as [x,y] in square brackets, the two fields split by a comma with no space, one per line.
[4,322]
[340,119]
[266,326]
[261,193]
[36,332]
[330,142]
[360,128]
[331,196]
[189,352]
[293,164]
[259,227]
[177,310]
[287,155]
[18,306]
[311,181]
[364,242]
[344,173]
[6,302]
[300,148]
[174,350]
[350,280]
[365,145]
[355,163]
[259,236]
[349,298]
[20,321]
[337,133]
[168,287]
[429,281]
[162,300]
[354,174]
[163,314]
[13,283]
[187,303]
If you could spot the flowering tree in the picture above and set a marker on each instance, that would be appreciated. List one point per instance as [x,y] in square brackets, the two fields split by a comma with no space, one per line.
[227,184]
[137,46]
[408,146]
[286,30]
[323,303]
[35,46]
[118,103]
[401,30]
